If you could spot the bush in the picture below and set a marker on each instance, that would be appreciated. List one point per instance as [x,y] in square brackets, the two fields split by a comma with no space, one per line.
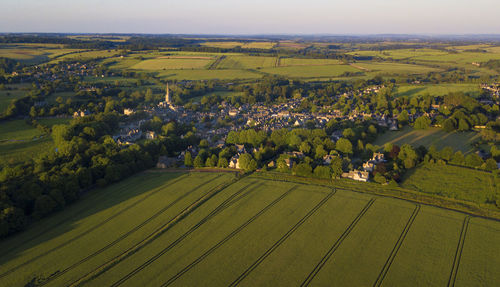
[322,172]
[302,169]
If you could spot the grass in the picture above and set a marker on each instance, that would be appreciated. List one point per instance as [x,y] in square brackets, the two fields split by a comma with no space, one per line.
[323,71]
[253,232]
[392,68]
[7,96]
[452,181]
[172,64]
[247,62]
[17,130]
[49,122]
[244,45]
[104,219]
[208,74]
[436,89]
[433,136]
[17,152]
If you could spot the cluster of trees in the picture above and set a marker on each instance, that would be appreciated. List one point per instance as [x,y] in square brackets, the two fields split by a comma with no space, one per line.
[84,156]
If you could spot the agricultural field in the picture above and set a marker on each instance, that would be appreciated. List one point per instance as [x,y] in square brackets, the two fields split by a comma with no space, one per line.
[173,63]
[453,181]
[208,74]
[247,62]
[253,232]
[33,53]
[244,45]
[436,90]
[392,68]
[18,130]
[324,71]
[6,96]
[18,152]
[459,141]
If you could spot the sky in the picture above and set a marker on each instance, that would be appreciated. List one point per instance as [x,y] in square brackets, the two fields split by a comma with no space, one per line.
[252,17]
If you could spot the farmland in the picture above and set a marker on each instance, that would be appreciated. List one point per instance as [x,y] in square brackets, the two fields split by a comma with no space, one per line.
[254,231]
[453,181]
[433,136]
[436,89]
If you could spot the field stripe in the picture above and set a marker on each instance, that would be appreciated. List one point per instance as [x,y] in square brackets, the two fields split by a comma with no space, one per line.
[395,250]
[458,252]
[282,239]
[229,201]
[75,215]
[123,210]
[130,232]
[336,245]
[215,63]
[228,237]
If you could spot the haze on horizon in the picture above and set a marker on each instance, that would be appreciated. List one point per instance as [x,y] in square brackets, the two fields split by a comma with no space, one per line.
[252,17]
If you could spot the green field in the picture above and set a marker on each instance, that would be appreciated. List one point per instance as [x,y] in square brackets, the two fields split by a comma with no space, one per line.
[323,71]
[433,136]
[436,89]
[7,96]
[244,45]
[453,181]
[17,130]
[254,232]
[247,62]
[172,64]
[17,152]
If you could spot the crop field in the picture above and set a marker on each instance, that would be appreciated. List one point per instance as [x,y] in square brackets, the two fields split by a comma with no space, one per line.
[173,63]
[162,229]
[247,62]
[325,71]
[208,74]
[453,181]
[433,136]
[244,45]
[393,68]
[436,89]
[307,62]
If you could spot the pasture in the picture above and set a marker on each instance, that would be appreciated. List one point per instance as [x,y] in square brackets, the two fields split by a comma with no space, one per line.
[173,63]
[459,141]
[244,45]
[18,130]
[436,89]
[7,96]
[453,181]
[253,232]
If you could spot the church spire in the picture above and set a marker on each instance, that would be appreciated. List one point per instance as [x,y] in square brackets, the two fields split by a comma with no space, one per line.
[167,96]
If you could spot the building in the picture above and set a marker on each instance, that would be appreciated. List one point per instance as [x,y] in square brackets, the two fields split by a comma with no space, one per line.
[168,99]
[128,112]
[150,135]
[234,162]
[357,175]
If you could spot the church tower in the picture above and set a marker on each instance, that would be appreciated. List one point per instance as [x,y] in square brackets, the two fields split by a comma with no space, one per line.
[167,96]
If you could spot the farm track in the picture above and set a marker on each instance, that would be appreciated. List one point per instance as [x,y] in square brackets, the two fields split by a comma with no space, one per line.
[130,232]
[336,245]
[282,239]
[90,229]
[108,265]
[395,250]
[216,63]
[71,218]
[458,252]
[104,267]
[228,237]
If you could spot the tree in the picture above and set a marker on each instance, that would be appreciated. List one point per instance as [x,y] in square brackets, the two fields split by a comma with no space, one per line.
[473,160]
[322,172]
[491,164]
[302,169]
[463,125]
[458,158]
[305,147]
[446,153]
[449,125]
[188,159]
[320,152]
[379,178]
[222,162]
[408,156]
[422,123]
[198,161]
[44,205]
[247,162]
[336,166]
[344,146]
[403,117]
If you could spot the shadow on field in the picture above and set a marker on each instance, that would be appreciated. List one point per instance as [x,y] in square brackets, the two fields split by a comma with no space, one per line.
[94,202]
[411,92]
